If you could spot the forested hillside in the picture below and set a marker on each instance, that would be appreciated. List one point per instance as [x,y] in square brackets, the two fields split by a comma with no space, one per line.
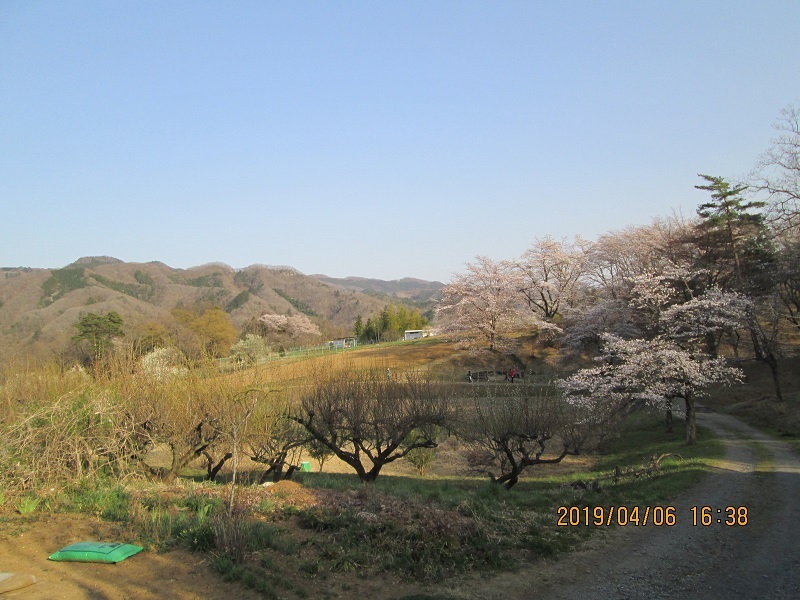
[157,303]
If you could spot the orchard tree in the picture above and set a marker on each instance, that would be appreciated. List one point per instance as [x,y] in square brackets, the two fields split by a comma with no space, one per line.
[188,415]
[526,427]
[482,300]
[275,440]
[368,420]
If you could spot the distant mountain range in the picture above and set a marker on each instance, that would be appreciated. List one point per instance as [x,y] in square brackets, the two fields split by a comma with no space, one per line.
[416,290]
[38,307]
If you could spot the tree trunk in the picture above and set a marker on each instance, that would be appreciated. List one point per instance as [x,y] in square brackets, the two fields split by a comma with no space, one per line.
[772,362]
[507,480]
[669,416]
[691,421]
[212,469]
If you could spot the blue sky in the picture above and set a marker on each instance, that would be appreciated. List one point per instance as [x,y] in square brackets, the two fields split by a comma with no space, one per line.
[378,139]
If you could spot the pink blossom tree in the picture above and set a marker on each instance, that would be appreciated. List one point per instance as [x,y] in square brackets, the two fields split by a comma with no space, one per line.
[550,274]
[482,300]
[654,372]
[295,326]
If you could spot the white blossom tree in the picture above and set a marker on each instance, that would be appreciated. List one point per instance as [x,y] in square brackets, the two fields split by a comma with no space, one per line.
[250,349]
[295,326]
[702,321]
[648,372]
[550,272]
[482,300]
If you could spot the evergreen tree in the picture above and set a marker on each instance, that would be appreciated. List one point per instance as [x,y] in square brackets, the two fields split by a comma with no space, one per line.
[735,247]
[358,328]
[98,330]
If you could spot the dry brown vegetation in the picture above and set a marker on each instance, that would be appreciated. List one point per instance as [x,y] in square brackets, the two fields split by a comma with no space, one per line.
[293,537]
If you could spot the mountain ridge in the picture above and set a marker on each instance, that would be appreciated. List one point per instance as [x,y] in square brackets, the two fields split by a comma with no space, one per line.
[38,307]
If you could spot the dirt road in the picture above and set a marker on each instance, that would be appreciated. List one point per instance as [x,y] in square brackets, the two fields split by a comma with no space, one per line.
[757,560]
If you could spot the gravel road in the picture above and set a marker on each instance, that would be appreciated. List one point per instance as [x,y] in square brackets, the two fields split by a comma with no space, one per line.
[759,560]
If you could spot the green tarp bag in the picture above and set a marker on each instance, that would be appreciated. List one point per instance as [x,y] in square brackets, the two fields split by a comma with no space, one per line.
[95,552]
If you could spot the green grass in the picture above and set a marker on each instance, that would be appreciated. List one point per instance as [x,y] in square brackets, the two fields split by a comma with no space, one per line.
[28,504]
[94,496]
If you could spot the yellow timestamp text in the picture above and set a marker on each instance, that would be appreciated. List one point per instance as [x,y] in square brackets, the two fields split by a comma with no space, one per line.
[732,516]
[658,516]
[574,516]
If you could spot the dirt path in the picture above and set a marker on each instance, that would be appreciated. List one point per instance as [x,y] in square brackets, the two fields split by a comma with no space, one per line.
[759,560]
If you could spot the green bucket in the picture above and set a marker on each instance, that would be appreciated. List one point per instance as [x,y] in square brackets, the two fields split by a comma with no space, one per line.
[305,466]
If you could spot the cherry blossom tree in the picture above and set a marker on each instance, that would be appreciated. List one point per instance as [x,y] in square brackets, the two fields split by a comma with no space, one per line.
[618,257]
[643,372]
[701,322]
[483,299]
[585,326]
[550,272]
[294,326]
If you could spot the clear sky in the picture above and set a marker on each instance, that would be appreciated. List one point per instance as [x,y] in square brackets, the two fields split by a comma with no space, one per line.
[377,138]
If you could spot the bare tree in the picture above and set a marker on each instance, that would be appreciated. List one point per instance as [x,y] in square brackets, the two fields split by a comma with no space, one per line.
[528,426]
[186,414]
[367,420]
[777,172]
[275,440]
